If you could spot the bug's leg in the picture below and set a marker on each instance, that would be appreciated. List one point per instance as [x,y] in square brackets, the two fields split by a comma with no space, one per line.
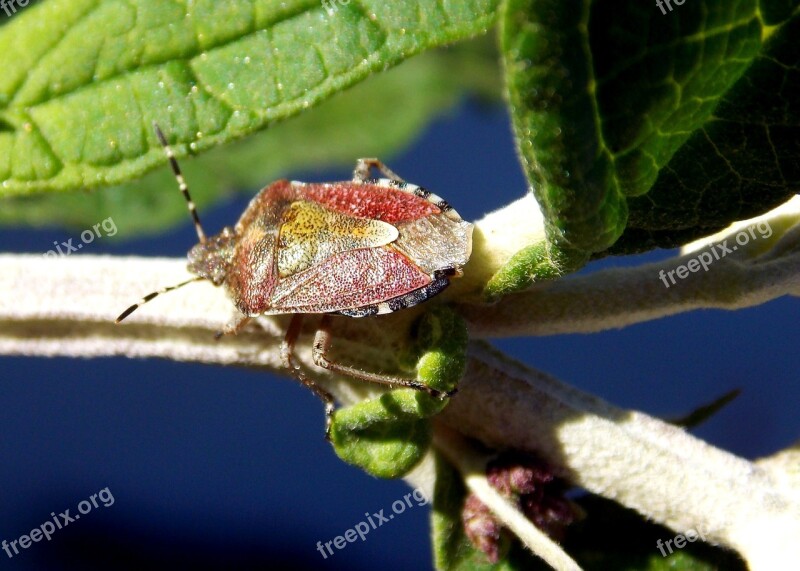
[287,356]
[363,167]
[322,344]
[233,327]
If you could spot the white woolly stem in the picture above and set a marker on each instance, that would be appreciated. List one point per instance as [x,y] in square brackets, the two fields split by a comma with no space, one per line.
[766,267]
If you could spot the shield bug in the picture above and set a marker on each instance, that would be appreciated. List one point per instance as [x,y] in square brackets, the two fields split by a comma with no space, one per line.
[356,248]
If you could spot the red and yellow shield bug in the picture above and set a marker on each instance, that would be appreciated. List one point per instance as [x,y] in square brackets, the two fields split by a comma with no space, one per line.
[356,248]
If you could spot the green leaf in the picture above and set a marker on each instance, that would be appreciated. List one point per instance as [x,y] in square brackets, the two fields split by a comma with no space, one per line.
[654,128]
[384,436]
[387,436]
[377,117]
[538,262]
[741,163]
[441,339]
[83,80]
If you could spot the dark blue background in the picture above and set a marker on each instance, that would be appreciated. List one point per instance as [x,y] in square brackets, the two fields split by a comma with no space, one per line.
[216,468]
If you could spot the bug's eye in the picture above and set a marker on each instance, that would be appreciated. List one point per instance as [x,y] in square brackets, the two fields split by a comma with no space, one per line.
[211,259]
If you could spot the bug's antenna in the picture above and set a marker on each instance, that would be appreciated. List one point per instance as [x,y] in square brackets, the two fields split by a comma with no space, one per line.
[150,296]
[181,183]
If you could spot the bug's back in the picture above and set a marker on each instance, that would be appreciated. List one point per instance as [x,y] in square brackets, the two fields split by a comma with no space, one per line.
[349,247]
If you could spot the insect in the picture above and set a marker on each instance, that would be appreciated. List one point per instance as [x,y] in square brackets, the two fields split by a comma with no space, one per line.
[355,248]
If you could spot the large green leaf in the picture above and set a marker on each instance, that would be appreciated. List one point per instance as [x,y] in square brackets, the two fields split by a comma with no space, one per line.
[742,162]
[376,117]
[83,80]
[656,128]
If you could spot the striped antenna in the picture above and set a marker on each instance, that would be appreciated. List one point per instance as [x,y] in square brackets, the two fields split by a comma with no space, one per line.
[192,210]
[181,183]
[150,296]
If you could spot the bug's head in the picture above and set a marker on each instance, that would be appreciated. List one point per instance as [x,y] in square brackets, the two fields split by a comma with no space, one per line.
[211,259]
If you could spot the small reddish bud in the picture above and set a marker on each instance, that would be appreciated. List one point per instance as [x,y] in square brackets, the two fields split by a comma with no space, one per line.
[481,527]
[515,474]
[530,484]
